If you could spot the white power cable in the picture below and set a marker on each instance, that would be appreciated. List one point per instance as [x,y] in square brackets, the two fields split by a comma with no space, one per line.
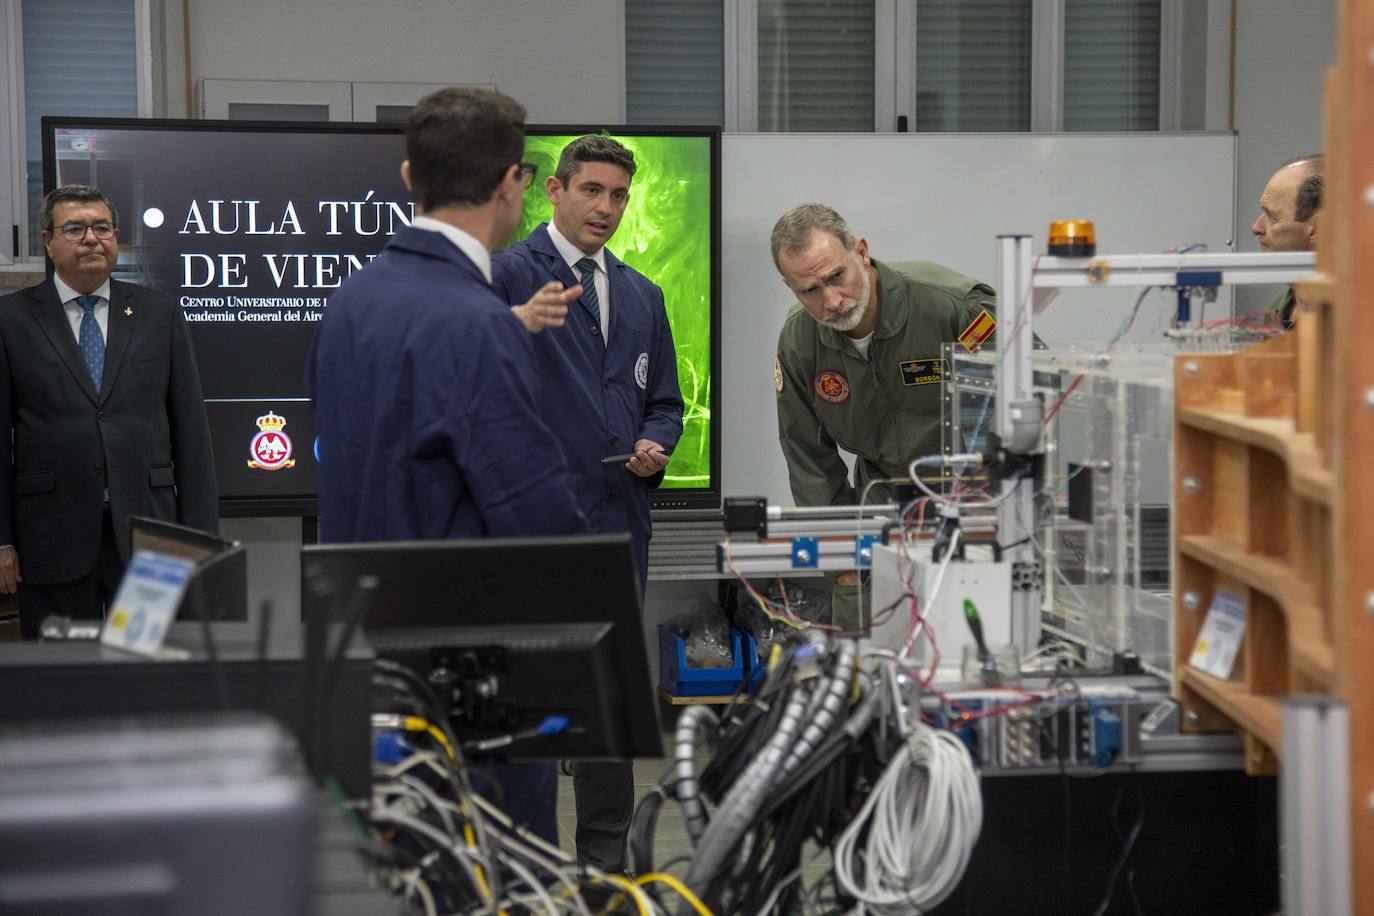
[940,500]
[927,603]
[412,880]
[918,828]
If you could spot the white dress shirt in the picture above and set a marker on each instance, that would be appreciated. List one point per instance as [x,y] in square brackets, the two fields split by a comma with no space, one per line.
[572,254]
[466,242]
[75,312]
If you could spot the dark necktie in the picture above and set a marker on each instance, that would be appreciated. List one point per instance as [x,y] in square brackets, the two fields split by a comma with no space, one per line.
[586,269]
[90,339]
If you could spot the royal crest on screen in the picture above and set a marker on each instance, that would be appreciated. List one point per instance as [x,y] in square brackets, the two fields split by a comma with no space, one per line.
[270,449]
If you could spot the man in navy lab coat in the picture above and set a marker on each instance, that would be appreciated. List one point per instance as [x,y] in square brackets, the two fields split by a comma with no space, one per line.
[424,385]
[609,387]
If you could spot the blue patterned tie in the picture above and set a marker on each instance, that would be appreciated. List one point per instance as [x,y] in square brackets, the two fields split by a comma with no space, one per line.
[92,343]
[586,268]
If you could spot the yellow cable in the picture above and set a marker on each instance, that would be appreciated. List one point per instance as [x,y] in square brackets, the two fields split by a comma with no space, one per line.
[417,724]
[682,890]
[482,884]
[631,889]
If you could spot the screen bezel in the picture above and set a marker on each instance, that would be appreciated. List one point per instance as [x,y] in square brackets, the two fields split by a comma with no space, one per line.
[687,498]
[423,588]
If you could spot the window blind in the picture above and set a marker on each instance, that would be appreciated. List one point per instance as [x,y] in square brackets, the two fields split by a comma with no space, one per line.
[675,61]
[1111,65]
[815,65]
[79,60]
[973,65]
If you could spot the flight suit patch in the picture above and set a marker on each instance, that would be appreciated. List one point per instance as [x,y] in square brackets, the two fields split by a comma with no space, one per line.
[831,386]
[979,330]
[923,371]
[777,374]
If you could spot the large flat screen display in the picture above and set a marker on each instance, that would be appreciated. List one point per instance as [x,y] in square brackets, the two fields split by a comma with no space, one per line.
[251,226]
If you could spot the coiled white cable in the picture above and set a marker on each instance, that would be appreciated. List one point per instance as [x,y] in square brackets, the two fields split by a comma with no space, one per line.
[922,818]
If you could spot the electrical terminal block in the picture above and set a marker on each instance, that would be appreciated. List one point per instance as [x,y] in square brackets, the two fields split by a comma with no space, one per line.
[1020,744]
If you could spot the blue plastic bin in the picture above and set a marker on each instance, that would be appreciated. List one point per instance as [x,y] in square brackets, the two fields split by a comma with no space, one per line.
[682,680]
[754,668]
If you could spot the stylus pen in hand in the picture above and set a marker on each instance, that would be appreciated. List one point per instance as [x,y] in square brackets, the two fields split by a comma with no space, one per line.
[617,459]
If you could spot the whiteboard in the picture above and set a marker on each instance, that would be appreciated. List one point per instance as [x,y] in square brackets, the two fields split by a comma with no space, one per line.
[945,198]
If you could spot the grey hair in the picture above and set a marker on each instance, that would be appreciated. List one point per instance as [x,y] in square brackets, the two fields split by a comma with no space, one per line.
[793,229]
[78,193]
[1310,191]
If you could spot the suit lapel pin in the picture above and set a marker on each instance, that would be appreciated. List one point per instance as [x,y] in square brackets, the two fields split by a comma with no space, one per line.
[128,312]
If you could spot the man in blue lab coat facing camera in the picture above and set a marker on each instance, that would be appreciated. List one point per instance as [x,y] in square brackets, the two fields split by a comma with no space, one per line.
[426,397]
[609,386]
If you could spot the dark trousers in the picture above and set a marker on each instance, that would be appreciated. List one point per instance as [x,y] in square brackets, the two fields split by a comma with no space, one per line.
[605,794]
[604,790]
[85,597]
[528,792]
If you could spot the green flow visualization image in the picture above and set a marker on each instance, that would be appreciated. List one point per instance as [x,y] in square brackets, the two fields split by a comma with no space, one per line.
[665,235]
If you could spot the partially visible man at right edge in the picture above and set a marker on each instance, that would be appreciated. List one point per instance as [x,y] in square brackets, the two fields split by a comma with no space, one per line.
[1286,222]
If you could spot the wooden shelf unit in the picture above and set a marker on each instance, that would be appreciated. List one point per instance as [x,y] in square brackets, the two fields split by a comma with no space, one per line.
[1274,479]
[1252,497]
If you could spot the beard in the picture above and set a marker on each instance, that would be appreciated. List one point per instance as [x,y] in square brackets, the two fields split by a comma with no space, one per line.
[851,319]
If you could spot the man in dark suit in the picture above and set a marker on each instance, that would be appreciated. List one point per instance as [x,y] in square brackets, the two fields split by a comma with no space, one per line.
[426,398]
[609,382]
[99,385]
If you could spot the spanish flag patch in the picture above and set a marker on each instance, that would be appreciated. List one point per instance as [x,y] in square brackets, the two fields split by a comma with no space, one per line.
[978,331]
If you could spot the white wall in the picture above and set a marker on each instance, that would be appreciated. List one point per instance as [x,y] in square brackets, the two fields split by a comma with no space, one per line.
[560,58]
[1283,48]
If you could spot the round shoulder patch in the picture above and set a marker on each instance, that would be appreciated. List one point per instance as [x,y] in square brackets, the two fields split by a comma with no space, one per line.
[777,373]
[831,386]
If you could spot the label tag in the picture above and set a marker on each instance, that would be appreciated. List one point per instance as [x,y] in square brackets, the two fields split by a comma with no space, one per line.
[979,330]
[923,371]
[1219,641]
[146,602]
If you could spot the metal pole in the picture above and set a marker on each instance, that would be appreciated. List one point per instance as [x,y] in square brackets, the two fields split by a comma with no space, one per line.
[1016,514]
[1315,806]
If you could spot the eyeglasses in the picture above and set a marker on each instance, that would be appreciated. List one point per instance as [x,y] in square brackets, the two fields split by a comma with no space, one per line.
[527,171]
[75,232]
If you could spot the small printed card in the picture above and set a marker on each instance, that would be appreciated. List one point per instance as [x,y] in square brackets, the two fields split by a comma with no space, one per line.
[1219,641]
[146,602]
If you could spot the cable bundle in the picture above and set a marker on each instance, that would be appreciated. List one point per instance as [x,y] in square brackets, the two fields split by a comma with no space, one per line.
[824,745]
[910,844]
[446,849]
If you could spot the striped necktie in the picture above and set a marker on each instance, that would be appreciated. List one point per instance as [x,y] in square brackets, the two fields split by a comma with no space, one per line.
[586,269]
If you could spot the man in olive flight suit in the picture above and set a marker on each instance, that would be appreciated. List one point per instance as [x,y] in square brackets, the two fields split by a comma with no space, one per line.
[859,363]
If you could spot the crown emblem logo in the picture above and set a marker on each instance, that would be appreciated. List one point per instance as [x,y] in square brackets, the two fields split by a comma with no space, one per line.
[270,449]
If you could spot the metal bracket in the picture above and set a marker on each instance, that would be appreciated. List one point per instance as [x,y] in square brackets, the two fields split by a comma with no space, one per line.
[806,553]
[1027,576]
[863,549]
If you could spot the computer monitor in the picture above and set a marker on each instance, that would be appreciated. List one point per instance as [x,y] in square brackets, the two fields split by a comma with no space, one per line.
[171,815]
[512,631]
[219,584]
[237,221]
